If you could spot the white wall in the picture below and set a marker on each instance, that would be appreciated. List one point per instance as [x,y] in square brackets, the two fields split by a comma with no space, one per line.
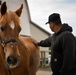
[38,35]
[14,5]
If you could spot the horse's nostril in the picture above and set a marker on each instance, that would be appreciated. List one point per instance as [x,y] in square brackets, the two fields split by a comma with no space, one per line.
[11,60]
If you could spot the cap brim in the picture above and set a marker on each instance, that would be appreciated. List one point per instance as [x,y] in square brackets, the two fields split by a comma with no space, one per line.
[46,23]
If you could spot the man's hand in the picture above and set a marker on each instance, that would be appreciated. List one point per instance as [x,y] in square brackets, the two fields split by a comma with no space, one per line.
[35,41]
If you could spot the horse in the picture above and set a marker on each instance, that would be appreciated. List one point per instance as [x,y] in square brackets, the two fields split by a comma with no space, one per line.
[19,55]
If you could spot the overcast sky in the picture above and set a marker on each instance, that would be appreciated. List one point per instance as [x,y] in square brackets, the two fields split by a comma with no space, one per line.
[41,9]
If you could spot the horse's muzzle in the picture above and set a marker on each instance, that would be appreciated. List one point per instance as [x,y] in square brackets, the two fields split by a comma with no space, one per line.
[13,61]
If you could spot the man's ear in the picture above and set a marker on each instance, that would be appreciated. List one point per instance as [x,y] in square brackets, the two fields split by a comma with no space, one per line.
[19,11]
[3,8]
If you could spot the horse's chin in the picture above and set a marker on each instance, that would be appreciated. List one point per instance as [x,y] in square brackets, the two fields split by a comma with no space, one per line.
[13,66]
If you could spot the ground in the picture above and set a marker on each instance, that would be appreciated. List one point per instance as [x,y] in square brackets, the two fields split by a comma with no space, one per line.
[44,71]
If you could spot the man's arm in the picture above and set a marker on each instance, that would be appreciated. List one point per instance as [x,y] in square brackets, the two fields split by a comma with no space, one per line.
[45,43]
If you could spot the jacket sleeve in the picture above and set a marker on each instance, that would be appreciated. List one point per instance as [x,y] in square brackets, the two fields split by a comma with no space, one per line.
[45,43]
[68,46]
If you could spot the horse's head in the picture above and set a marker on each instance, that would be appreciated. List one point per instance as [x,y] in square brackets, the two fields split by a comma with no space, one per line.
[9,32]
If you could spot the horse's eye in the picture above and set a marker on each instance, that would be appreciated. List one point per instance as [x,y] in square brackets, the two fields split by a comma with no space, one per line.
[3,28]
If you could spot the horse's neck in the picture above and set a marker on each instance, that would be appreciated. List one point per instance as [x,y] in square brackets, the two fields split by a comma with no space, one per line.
[21,40]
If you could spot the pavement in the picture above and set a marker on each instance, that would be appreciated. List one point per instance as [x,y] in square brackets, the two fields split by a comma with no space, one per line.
[44,71]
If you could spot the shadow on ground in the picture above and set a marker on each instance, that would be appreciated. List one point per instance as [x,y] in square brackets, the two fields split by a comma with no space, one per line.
[45,69]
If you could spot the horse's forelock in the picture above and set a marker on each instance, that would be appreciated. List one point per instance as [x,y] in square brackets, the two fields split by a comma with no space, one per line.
[9,17]
[13,17]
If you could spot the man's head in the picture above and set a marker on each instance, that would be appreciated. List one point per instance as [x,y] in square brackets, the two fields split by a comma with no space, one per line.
[55,17]
[54,21]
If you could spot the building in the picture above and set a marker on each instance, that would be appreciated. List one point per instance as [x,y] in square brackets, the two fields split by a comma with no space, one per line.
[30,28]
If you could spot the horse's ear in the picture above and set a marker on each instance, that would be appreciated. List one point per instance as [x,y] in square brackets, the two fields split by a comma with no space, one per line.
[3,8]
[19,11]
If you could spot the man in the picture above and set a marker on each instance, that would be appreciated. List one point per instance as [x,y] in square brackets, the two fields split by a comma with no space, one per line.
[62,46]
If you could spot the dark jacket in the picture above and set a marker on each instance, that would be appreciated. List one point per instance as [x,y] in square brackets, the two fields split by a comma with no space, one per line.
[63,50]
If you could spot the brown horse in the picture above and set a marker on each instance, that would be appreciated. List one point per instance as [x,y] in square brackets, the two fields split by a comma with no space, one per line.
[18,54]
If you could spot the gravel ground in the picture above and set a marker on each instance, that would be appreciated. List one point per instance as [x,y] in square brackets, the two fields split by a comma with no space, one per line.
[44,71]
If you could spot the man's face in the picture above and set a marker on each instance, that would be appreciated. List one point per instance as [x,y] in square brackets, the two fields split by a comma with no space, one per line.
[51,25]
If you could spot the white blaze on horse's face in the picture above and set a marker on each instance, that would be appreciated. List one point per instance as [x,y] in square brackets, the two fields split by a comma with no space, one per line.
[12,25]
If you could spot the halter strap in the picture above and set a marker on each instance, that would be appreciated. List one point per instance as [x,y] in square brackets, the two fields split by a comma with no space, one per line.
[4,42]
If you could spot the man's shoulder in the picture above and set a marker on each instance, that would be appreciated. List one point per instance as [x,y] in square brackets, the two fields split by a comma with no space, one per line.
[65,33]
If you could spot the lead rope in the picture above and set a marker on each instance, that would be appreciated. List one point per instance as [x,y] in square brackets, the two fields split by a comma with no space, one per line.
[8,69]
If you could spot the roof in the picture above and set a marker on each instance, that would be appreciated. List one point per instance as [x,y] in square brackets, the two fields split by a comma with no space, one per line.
[40,27]
[34,22]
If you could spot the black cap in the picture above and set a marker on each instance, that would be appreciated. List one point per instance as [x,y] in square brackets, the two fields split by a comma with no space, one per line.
[53,17]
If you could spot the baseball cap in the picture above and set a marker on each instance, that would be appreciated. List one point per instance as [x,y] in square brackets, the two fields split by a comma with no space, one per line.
[53,17]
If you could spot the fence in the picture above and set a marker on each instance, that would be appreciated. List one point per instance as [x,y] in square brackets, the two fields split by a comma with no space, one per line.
[45,58]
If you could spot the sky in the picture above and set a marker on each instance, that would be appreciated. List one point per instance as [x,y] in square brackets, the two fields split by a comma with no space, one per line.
[41,9]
